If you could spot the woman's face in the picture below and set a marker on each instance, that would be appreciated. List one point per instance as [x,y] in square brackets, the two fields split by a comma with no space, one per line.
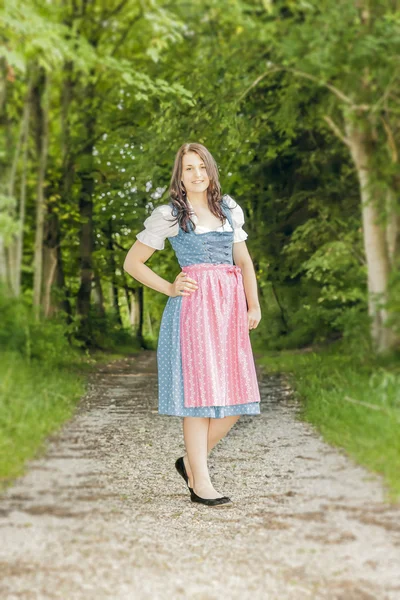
[194,173]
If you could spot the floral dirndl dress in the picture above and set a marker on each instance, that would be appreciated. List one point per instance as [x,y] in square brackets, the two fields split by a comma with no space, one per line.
[204,356]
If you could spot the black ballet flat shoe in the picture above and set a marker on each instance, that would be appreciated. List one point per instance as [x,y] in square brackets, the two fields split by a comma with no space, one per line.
[180,467]
[209,501]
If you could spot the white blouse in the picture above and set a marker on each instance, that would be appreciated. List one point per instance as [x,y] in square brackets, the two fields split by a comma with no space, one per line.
[158,228]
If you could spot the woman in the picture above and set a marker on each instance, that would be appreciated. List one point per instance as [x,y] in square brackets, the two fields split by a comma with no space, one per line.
[206,371]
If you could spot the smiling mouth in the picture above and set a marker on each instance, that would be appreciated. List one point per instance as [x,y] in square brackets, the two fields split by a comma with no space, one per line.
[201,181]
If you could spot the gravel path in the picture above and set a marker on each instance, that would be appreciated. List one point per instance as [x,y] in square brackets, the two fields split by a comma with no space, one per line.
[104,515]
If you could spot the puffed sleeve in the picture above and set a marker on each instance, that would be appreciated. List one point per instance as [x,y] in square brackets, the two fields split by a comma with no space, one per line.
[238,220]
[157,227]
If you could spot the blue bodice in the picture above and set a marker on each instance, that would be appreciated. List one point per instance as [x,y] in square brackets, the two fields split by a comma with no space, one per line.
[210,247]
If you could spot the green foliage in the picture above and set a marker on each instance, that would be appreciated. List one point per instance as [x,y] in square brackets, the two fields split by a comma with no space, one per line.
[8,226]
[354,325]
[107,334]
[46,340]
[257,82]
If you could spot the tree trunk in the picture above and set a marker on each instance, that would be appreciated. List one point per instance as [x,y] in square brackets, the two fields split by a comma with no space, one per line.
[128,301]
[86,241]
[40,91]
[149,323]
[19,242]
[3,96]
[3,86]
[9,259]
[114,282]
[86,207]
[66,182]
[61,283]
[134,314]
[393,226]
[50,261]
[375,243]
[140,310]
[278,302]
[99,296]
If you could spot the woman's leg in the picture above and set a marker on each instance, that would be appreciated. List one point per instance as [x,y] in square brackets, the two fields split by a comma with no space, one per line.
[217,429]
[195,432]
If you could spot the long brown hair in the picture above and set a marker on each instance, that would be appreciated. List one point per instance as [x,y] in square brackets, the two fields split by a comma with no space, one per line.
[177,189]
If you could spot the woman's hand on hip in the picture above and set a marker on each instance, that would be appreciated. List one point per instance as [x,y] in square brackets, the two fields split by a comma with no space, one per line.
[183,285]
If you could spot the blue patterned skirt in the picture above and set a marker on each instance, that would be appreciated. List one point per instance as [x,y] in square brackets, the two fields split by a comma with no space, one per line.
[170,374]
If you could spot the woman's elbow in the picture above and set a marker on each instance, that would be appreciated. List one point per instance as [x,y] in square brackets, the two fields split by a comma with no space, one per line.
[128,267]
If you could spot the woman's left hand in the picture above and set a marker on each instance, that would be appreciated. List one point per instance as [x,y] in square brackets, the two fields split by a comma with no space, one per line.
[253,317]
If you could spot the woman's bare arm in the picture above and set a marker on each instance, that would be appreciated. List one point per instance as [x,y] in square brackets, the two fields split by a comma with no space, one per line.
[242,259]
[135,267]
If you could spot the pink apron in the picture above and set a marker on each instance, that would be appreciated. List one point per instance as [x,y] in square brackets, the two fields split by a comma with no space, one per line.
[217,358]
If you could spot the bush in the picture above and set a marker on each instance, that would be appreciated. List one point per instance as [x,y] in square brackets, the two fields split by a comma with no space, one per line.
[47,340]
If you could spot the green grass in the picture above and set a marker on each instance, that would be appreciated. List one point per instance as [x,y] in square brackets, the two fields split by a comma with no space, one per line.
[35,401]
[327,383]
